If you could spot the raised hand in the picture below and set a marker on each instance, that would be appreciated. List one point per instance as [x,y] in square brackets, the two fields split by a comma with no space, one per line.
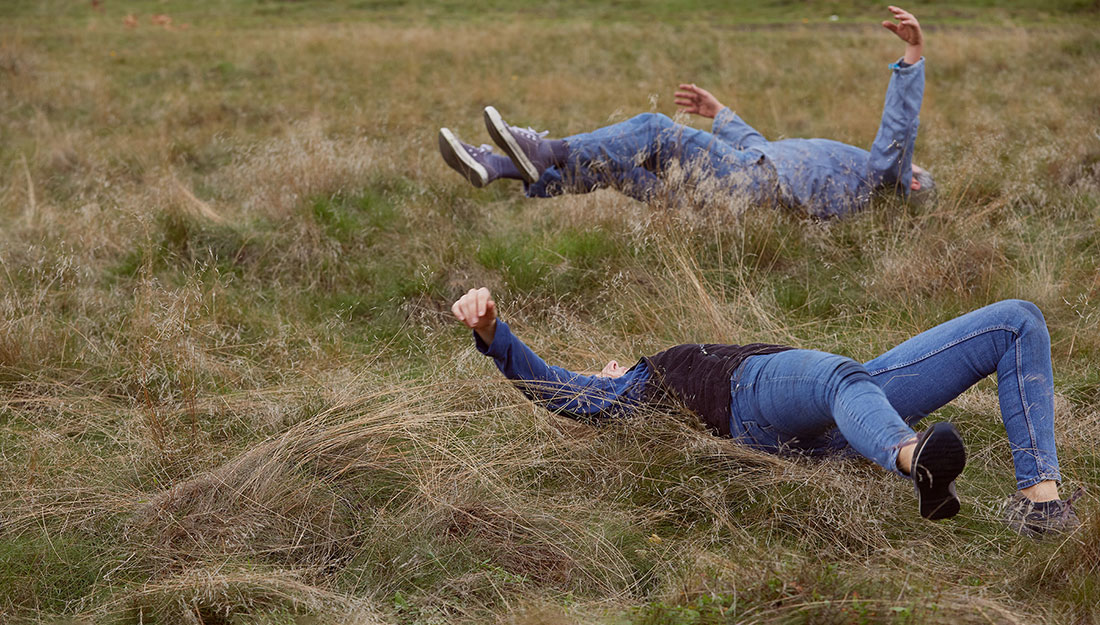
[697,101]
[478,311]
[908,30]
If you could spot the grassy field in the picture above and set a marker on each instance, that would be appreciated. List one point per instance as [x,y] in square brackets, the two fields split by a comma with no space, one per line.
[230,390]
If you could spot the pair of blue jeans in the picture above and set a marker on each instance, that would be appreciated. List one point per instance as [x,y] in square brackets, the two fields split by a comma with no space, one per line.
[634,157]
[813,402]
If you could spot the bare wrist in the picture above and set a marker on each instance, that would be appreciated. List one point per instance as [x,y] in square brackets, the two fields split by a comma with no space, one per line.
[913,53]
[487,334]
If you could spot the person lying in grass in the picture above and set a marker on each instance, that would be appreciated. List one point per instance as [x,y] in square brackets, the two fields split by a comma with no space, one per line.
[780,399]
[821,177]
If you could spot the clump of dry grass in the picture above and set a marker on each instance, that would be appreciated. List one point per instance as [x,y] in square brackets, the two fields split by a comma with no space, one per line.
[230,389]
[274,178]
[204,595]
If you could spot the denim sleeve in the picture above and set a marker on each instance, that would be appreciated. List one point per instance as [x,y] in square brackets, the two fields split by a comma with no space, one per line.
[558,390]
[732,129]
[892,152]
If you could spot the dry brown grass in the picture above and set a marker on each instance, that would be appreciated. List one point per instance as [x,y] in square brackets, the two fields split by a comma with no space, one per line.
[219,401]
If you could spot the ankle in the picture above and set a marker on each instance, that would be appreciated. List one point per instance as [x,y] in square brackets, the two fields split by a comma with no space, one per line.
[554,151]
[1043,491]
[905,455]
[504,167]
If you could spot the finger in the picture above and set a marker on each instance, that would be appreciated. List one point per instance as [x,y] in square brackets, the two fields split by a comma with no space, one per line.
[890,26]
[684,97]
[482,300]
[460,307]
[491,309]
[456,310]
[469,308]
[462,313]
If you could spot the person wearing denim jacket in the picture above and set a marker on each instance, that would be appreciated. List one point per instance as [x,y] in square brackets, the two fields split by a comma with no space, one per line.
[819,177]
[785,400]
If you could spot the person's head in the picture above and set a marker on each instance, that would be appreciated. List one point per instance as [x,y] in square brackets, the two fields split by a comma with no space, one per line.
[612,370]
[922,188]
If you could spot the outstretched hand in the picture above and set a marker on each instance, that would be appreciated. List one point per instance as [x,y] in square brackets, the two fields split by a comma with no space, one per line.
[697,101]
[908,30]
[478,311]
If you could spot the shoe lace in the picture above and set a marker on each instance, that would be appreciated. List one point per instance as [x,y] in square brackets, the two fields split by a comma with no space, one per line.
[529,132]
[480,150]
[1067,505]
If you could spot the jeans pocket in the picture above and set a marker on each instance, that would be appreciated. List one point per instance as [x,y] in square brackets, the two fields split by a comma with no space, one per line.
[760,436]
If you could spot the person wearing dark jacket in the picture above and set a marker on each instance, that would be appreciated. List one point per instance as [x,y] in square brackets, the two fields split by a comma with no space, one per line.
[780,399]
[819,177]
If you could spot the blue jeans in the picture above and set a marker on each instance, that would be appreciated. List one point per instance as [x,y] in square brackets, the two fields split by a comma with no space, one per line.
[632,156]
[813,402]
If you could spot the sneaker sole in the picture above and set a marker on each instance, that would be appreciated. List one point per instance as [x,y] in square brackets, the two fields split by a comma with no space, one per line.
[460,160]
[937,461]
[502,136]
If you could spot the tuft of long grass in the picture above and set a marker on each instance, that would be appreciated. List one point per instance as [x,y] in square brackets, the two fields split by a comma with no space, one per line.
[230,390]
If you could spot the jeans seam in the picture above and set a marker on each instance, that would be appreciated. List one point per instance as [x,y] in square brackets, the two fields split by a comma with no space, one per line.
[973,334]
[1026,407]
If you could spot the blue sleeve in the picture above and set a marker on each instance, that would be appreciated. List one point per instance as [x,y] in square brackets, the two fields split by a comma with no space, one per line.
[891,161]
[732,129]
[557,389]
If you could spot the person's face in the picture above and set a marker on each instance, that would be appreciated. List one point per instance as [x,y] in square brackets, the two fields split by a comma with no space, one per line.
[612,370]
[915,184]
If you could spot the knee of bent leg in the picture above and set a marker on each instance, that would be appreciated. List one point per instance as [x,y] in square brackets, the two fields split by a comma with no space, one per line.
[655,121]
[1022,314]
[848,371]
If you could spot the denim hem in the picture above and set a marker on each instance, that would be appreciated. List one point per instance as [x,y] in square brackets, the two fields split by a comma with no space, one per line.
[1032,481]
[893,457]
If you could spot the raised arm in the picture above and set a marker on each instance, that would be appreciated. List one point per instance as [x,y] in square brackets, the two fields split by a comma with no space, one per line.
[891,161]
[558,390]
[727,125]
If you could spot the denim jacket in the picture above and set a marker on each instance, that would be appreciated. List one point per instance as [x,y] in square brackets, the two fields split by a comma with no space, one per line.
[827,178]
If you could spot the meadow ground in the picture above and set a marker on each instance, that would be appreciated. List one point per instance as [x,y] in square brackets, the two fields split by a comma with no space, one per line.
[230,390]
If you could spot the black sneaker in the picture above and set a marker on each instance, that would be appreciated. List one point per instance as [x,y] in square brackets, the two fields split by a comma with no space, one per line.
[937,460]
[1043,519]
[474,164]
[520,144]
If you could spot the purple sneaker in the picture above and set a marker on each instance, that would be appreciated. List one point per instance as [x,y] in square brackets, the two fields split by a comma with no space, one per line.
[475,164]
[522,145]
[938,459]
[1041,520]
